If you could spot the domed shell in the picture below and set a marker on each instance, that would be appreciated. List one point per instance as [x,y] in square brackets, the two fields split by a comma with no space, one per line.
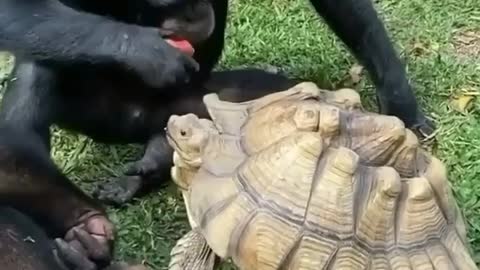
[314,182]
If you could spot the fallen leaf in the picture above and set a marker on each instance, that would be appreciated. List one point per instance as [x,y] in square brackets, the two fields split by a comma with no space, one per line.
[352,79]
[467,43]
[462,102]
[356,73]
[6,65]
[467,37]
[418,49]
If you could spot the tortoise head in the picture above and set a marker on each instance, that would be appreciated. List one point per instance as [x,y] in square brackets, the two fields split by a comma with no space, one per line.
[188,135]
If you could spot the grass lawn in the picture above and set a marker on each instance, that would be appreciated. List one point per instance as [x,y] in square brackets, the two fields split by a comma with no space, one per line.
[438,40]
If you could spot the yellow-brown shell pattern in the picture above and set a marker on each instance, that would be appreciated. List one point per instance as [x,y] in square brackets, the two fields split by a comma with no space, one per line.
[326,185]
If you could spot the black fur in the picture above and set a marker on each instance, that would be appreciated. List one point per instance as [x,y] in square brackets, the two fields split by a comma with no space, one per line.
[357,24]
[103,69]
[31,183]
[39,204]
[90,34]
[24,244]
[144,174]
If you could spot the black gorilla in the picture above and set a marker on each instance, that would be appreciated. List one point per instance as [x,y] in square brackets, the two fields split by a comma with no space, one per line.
[103,68]
[24,243]
[33,191]
[26,246]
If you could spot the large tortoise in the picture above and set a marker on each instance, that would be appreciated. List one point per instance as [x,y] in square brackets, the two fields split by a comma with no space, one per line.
[306,179]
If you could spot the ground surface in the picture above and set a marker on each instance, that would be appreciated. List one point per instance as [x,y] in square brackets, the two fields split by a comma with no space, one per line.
[439,41]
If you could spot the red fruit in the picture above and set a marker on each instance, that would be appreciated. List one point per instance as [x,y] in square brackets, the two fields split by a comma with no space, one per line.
[182,44]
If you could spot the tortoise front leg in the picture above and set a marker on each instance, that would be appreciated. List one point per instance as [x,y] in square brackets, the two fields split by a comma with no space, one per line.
[192,252]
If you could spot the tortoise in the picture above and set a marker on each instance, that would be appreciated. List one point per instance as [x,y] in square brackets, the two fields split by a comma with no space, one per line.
[308,179]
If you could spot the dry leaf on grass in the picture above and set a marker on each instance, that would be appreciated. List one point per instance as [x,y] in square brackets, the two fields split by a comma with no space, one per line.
[418,48]
[467,37]
[356,73]
[6,64]
[352,79]
[467,43]
[423,47]
[462,102]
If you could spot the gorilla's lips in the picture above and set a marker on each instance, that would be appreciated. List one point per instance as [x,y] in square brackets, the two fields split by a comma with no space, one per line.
[181,44]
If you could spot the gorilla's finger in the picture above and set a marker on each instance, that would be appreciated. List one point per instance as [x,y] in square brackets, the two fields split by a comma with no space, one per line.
[95,249]
[73,257]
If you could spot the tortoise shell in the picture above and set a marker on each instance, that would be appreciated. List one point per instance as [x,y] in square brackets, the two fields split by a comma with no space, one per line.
[307,179]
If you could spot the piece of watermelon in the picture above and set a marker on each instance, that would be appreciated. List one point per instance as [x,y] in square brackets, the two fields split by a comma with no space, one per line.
[182,44]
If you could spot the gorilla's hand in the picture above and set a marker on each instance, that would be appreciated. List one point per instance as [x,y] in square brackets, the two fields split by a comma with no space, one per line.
[158,63]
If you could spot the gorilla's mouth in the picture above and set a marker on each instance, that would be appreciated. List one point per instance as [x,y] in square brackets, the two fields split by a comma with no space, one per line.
[181,44]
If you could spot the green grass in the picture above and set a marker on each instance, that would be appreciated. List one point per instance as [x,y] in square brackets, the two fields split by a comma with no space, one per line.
[288,34]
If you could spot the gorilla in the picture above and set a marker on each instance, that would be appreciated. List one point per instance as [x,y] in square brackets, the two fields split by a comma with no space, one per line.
[115,71]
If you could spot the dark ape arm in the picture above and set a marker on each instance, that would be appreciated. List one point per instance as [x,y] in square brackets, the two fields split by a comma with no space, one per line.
[357,24]
[15,228]
[31,183]
[51,199]
[210,52]
[49,32]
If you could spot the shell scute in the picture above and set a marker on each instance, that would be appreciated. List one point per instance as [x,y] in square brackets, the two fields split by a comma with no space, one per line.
[289,118]
[379,261]
[421,217]
[331,201]
[280,176]
[457,251]
[421,260]
[351,257]
[274,237]
[399,260]
[372,138]
[376,220]
[209,206]
[404,158]
[344,98]
[312,253]
[223,222]
[439,256]
[307,117]
[223,155]
[329,121]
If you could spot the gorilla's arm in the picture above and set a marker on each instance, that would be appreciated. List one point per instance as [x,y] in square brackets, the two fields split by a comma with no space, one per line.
[49,32]
[32,184]
[357,24]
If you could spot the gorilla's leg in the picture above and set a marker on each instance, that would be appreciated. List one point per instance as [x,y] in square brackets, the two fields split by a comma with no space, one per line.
[31,183]
[28,103]
[154,168]
[24,244]
[146,174]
